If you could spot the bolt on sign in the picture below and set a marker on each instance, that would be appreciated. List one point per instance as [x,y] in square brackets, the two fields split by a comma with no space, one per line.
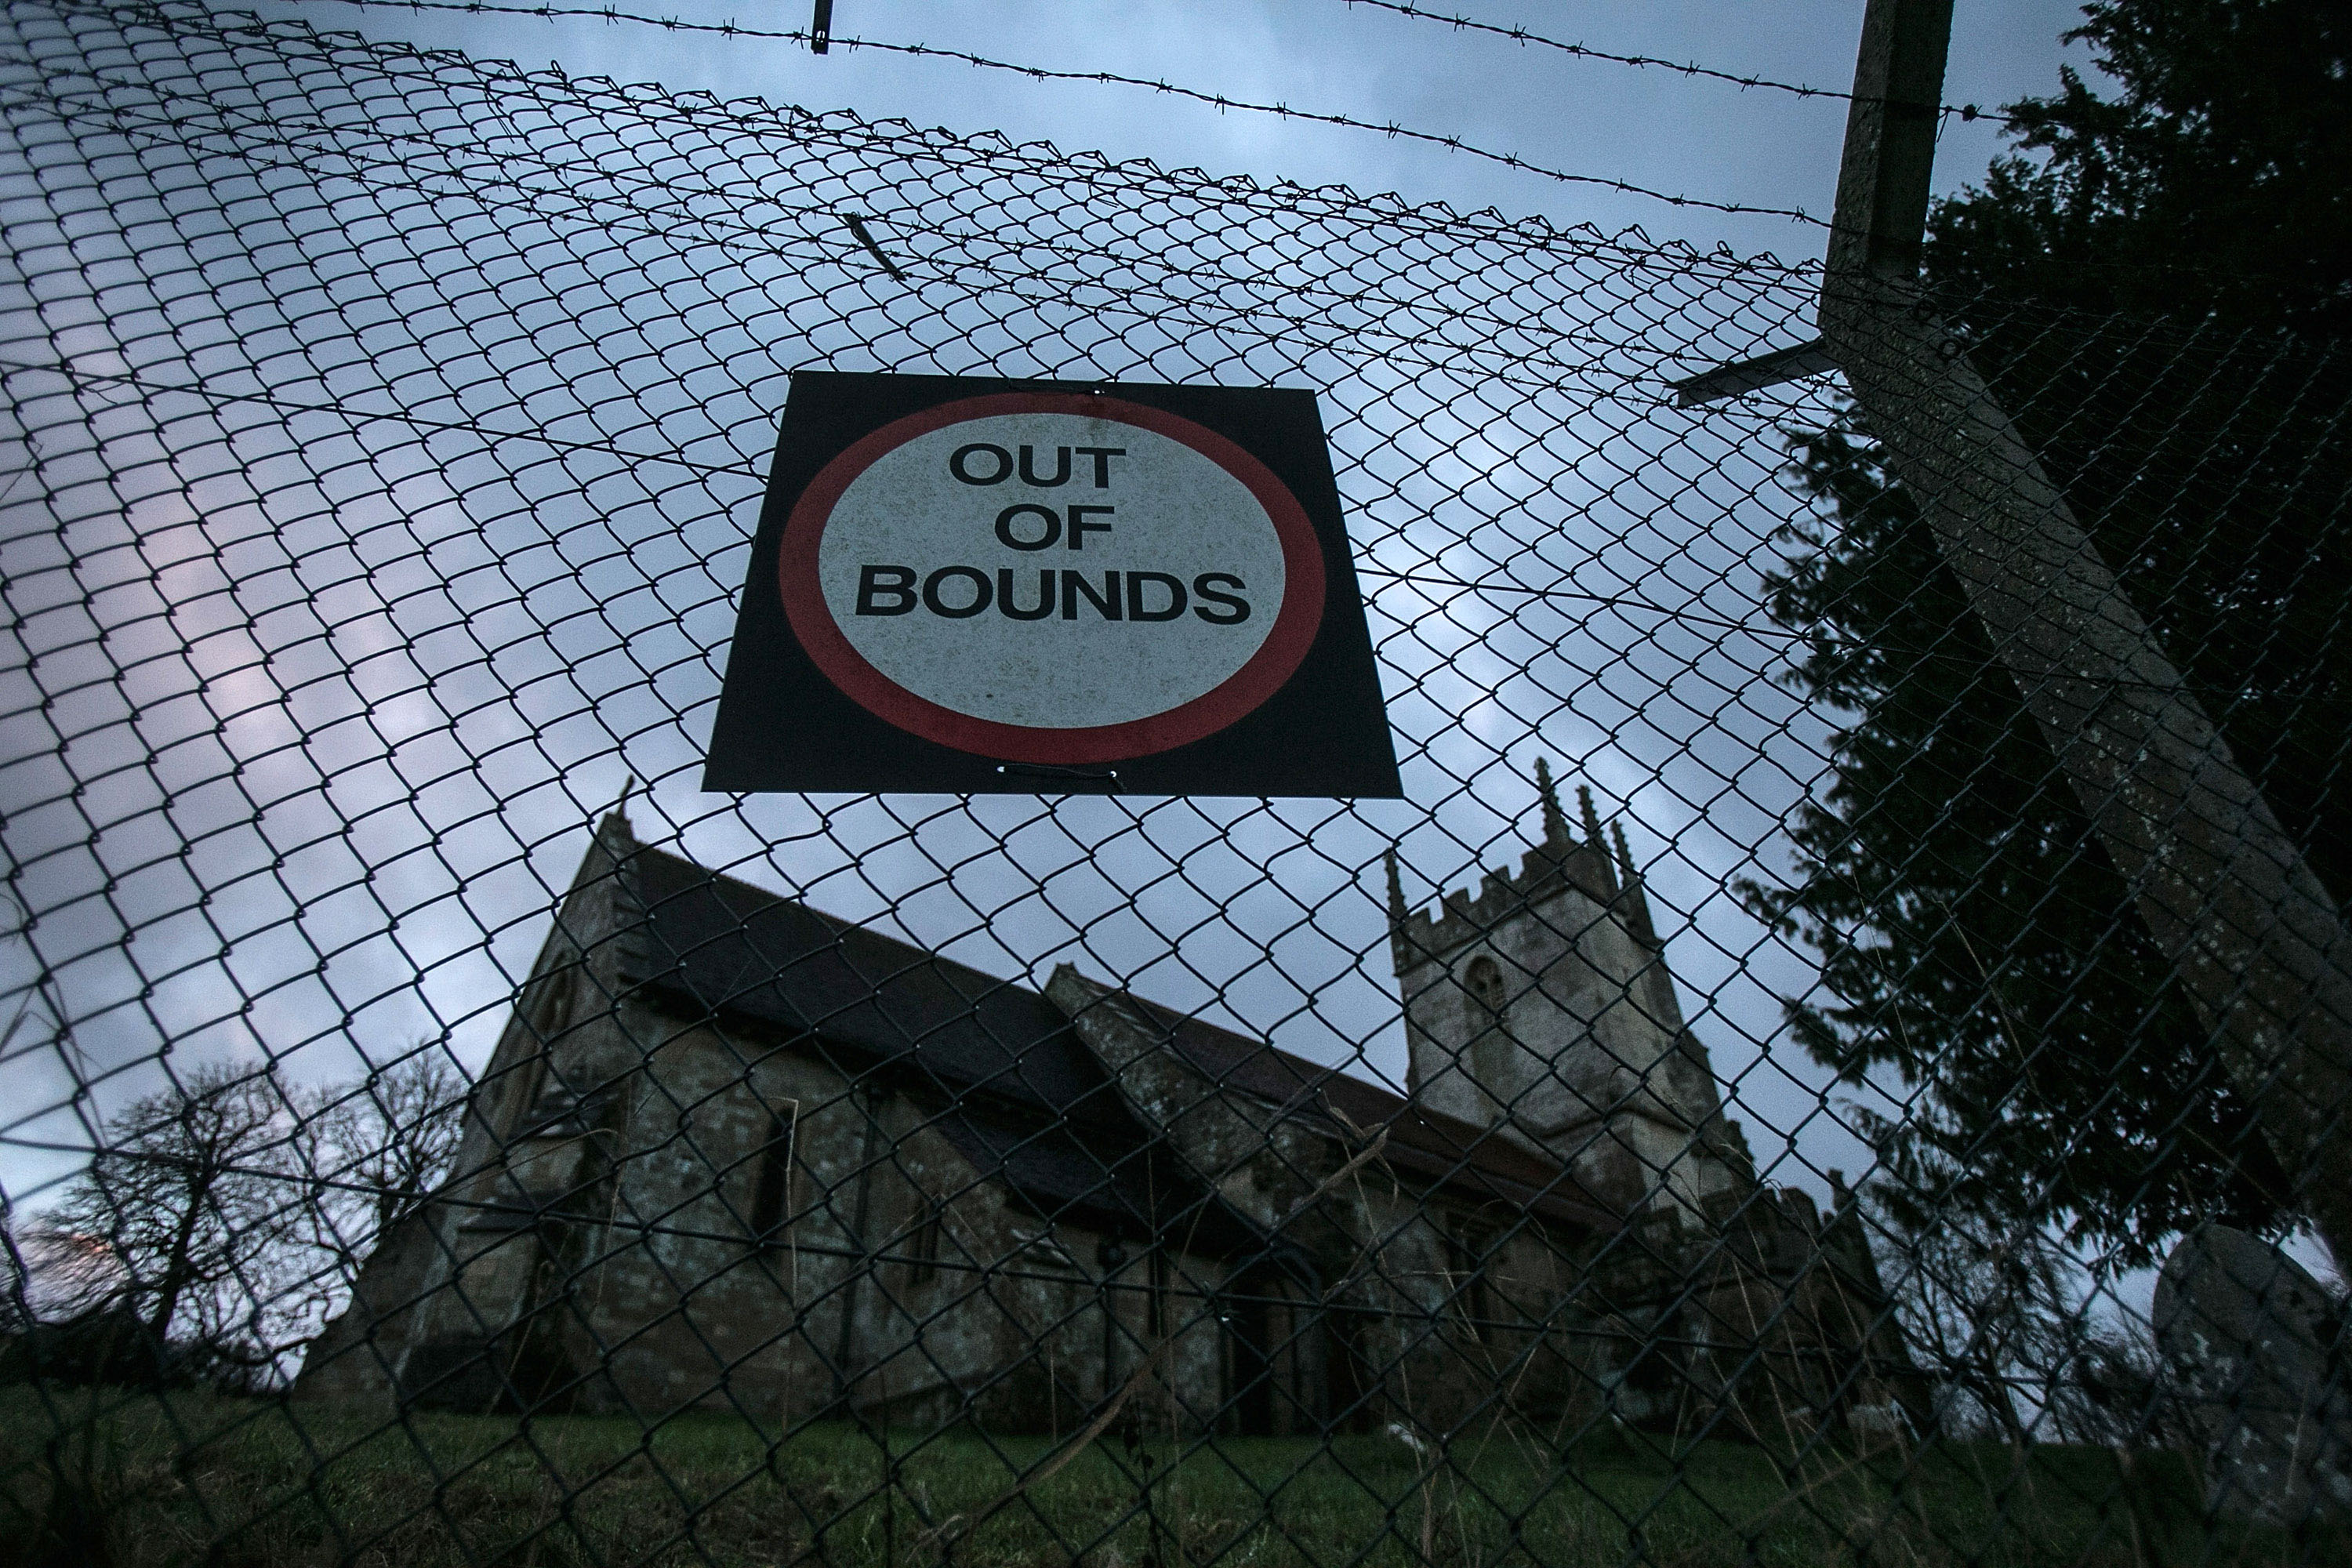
[1025,586]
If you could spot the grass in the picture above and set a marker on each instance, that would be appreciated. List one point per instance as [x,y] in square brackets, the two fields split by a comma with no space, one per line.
[138,1479]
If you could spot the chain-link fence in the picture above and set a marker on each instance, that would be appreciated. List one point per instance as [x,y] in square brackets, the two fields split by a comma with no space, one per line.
[1876,1104]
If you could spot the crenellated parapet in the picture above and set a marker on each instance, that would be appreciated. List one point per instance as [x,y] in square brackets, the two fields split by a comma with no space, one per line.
[1461,918]
[1559,862]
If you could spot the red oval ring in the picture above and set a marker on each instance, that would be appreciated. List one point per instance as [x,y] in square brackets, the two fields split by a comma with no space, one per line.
[1276,659]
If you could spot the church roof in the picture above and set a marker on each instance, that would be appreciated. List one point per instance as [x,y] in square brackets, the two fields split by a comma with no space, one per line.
[1030,1102]
[1027,1104]
[727,948]
[1478,1163]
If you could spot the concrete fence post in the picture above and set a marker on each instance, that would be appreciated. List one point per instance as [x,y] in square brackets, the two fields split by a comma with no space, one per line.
[2258,942]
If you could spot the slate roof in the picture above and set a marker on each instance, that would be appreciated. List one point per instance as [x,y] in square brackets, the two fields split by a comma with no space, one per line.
[725,948]
[1027,1100]
[1475,1161]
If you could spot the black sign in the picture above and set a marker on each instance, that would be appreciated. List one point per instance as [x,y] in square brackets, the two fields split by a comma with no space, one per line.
[1031,587]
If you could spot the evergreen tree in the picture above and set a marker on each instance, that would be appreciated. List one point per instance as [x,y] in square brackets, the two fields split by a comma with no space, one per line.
[2151,289]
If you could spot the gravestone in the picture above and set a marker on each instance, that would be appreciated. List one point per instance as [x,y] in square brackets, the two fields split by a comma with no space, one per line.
[2251,1342]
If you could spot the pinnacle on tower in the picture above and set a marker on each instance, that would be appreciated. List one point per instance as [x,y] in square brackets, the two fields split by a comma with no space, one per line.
[619,815]
[1399,948]
[1593,837]
[1638,899]
[1591,819]
[1555,826]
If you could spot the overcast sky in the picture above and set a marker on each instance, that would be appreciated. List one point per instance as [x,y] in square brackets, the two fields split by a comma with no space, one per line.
[1645,126]
[1686,762]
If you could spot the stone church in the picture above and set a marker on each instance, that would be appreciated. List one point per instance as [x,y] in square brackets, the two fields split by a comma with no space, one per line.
[732,1153]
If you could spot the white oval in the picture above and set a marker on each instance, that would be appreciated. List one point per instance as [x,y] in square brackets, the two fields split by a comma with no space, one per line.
[1174,512]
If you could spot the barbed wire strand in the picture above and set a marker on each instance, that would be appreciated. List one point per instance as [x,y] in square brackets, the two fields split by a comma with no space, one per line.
[1524,35]
[1108,79]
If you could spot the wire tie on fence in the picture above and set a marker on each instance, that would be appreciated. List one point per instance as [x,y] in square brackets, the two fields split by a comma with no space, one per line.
[858,227]
[1753,375]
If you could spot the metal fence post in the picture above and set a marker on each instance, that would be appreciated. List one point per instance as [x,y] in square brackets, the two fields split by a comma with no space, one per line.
[2225,891]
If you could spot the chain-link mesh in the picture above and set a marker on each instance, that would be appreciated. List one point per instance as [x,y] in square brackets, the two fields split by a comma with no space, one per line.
[435,1131]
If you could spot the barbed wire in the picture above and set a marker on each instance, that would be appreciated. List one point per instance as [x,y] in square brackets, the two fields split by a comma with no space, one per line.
[1109,78]
[1523,36]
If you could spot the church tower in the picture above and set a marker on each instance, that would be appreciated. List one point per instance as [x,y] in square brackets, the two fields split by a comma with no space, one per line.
[1542,1008]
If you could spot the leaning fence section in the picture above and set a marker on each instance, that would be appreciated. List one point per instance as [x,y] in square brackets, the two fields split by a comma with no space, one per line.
[1835,1057]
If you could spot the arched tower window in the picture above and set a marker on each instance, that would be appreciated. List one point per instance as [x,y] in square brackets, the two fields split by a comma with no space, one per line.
[1490,1039]
[1486,981]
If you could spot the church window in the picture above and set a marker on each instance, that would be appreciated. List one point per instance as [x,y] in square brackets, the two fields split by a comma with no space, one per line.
[521,1086]
[923,1249]
[1465,1262]
[551,1009]
[544,1010]
[773,1182]
[1490,1041]
[1486,981]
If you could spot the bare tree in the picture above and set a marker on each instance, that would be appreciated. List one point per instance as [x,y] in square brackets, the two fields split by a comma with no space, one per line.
[181,1220]
[16,1297]
[379,1145]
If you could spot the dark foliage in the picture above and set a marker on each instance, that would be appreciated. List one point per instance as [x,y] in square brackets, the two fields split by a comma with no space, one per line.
[113,1346]
[2144,298]
[2213,185]
[1972,933]
[100,1347]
